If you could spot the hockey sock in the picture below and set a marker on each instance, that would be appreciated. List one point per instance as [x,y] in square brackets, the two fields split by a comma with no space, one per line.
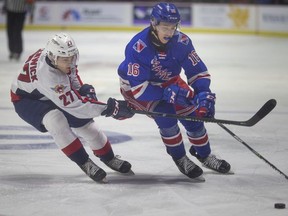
[76,152]
[97,140]
[57,125]
[172,139]
[200,142]
[106,153]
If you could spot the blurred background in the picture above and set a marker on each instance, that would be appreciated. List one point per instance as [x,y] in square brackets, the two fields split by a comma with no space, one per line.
[244,45]
[264,17]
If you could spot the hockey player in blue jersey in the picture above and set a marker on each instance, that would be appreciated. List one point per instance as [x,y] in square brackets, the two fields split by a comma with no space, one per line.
[150,80]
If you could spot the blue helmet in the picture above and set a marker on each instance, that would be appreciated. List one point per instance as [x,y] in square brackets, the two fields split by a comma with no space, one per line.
[165,12]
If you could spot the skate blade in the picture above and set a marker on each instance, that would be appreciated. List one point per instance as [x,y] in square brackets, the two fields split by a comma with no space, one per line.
[211,171]
[231,172]
[130,173]
[198,179]
[103,181]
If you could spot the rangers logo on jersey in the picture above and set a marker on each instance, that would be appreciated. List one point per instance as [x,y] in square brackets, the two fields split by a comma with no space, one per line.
[139,46]
[183,39]
[163,74]
[59,88]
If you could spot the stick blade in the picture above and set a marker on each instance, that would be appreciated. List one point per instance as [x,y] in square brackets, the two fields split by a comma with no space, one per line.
[266,108]
[262,112]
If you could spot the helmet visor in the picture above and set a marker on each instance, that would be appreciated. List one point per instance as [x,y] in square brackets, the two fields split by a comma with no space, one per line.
[67,64]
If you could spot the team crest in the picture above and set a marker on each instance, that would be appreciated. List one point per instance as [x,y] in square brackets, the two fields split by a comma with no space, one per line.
[69,44]
[59,88]
[183,39]
[139,46]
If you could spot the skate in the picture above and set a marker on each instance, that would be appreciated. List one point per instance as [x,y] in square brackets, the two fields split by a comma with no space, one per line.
[190,169]
[218,165]
[93,171]
[213,163]
[119,165]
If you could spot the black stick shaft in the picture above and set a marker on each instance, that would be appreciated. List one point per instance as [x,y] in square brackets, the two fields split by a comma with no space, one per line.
[251,149]
[260,114]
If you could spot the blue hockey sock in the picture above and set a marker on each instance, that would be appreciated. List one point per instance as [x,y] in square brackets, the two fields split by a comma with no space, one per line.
[201,151]
[200,143]
[176,152]
[172,139]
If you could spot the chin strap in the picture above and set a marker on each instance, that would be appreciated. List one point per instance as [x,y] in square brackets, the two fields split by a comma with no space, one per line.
[156,41]
[49,62]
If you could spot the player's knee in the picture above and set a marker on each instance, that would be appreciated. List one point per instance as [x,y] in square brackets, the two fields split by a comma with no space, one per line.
[55,121]
[171,131]
[197,133]
[91,133]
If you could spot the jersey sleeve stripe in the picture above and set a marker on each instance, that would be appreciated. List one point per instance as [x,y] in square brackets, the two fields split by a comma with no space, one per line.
[202,75]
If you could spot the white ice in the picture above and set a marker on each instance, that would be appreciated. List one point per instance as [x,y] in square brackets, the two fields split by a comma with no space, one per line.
[246,72]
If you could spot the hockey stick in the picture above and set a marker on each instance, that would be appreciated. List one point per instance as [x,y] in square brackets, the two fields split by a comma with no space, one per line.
[261,113]
[251,149]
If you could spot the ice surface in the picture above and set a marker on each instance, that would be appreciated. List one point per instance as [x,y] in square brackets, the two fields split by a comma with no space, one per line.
[246,72]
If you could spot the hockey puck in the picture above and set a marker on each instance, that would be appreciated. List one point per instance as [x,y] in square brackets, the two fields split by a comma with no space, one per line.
[279,205]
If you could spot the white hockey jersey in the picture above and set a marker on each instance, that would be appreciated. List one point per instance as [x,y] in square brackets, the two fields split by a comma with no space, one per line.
[40,81]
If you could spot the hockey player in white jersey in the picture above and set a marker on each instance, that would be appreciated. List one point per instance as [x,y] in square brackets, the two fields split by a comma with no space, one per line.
[49,95]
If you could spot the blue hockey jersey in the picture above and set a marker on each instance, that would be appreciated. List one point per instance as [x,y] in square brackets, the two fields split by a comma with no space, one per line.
[147,71]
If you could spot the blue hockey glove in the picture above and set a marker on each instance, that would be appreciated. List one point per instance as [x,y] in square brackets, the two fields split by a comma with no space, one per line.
[206,104]
[118,109]
[177,95]
[88,91]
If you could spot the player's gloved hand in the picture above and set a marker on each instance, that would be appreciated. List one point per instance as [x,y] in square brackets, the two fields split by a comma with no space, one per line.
[88,91]
[177,95]
[118,109]
[206,104]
